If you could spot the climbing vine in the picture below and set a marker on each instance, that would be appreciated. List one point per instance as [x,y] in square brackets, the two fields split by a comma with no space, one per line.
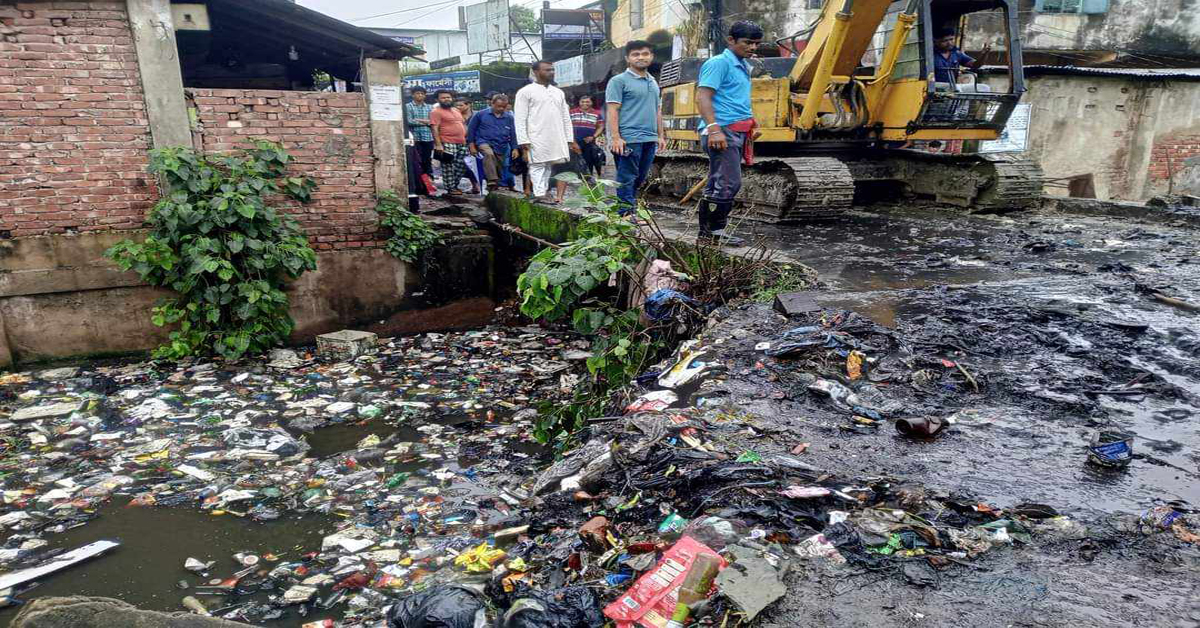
[411,235]
[223,249]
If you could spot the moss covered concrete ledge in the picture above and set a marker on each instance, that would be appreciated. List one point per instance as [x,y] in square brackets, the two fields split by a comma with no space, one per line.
[554,223]
[558,223]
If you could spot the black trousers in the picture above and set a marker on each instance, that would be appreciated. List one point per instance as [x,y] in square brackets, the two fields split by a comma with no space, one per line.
[425,150]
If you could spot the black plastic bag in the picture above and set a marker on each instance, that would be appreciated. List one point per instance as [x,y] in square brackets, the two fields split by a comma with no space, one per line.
[570,607]
[440,607]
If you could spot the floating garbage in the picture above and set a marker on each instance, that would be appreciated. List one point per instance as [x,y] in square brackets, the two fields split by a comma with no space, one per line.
[1110,449]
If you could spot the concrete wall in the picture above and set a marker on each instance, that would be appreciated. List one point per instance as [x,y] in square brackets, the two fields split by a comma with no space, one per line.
[1137,138]
[60,297]
[1129,28]
[657,15]
[1166,27]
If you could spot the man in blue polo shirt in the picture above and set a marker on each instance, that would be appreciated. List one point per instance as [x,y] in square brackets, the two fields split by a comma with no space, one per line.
[634,122]
[492,134]
[723,97]
[948,59]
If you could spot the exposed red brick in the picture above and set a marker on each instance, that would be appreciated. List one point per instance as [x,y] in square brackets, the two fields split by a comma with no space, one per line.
[1169,156]
[71,72]
[74,137]
[328,137]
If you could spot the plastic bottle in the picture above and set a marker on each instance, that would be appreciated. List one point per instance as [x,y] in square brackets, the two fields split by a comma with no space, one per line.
[194,605]
[696,585]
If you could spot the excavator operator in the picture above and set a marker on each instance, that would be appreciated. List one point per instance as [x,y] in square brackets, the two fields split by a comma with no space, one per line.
[948,59]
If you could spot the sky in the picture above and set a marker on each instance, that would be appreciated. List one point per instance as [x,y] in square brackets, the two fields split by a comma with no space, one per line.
[411,13]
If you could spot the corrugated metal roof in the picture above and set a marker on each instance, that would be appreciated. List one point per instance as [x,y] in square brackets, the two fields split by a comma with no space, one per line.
[312,28]
[1156,74]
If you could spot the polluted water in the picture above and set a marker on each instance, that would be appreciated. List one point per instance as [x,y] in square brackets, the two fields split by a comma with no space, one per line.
[258,488]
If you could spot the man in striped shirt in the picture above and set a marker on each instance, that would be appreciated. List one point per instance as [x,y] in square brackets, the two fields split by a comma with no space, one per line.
[585,122]
[588,123]
[417,115]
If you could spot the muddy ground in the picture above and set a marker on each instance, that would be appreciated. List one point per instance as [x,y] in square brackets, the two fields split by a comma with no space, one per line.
[1051,316]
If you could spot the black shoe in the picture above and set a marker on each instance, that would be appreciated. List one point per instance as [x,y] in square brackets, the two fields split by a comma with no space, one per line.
[727,240]
[706,237]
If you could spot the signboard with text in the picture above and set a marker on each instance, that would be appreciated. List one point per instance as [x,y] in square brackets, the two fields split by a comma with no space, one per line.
[572,24]
[1015,136]
[568,72]
[445,63]
[465,81]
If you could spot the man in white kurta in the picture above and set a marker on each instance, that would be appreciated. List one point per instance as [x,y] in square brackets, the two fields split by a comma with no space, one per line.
[543,122]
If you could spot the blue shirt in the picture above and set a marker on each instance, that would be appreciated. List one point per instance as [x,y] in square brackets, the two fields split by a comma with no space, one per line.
[413,111]
[729,78]
[499,132]
[945,69]
[637,120]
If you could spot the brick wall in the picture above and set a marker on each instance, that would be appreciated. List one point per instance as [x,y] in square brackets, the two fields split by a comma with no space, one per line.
[1170,157]
[329,137]
[73,128]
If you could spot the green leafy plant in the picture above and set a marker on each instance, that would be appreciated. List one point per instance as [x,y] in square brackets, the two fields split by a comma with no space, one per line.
[774,280]
[226,253]
[605,245]
[563,281]
[411,235]
[573,280]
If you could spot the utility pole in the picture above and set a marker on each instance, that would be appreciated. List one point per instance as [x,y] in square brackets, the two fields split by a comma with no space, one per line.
[512,24]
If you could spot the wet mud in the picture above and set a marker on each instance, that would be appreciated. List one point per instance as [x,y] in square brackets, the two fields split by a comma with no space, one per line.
[1053,320]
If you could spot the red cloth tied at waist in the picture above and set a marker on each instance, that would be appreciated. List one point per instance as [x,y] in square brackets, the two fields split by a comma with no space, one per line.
[746,126]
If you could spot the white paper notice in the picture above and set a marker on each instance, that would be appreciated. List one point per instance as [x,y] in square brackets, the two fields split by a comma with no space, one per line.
[386,113]
[385,94]
[1015,137]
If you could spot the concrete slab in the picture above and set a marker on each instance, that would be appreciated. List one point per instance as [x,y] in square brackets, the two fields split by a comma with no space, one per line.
[750,582]
[346,344]
[793,303]
[34,413]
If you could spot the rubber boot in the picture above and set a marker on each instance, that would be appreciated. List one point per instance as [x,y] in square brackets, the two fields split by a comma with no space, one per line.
[705,216]
[719,219]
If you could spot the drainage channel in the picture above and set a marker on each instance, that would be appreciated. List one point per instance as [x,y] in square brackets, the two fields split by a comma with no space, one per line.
[261,465]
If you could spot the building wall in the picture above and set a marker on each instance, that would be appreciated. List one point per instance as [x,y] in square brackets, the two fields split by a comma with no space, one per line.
[657,15]
[1127,28]
[443,44]
[73,127]
[1137,138]
[328,136]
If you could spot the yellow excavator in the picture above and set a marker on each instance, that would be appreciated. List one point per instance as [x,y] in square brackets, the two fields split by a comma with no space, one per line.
[858,113]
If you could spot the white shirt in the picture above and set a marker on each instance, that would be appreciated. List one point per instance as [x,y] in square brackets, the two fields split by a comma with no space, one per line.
[543,121]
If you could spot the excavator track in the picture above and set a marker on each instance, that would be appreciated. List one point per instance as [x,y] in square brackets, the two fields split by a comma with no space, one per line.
[975,182]
[791,189]
[799,189]
[1018,185]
